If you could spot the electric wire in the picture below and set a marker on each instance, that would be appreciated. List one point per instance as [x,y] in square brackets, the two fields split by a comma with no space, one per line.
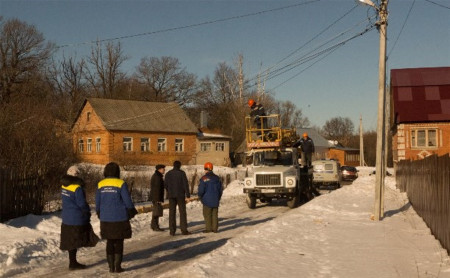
[327,51]
[314,37]
[303,70]
[437,4]
[188,26]
[401,30]
[276,72]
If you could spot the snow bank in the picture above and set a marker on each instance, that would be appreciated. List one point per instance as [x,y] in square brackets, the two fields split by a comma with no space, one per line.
[331,236]
[27,241]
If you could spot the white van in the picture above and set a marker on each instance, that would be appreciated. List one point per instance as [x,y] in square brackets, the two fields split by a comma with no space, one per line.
[326,172]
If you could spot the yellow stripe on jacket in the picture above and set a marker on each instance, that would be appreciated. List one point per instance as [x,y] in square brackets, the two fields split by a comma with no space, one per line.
[71,187]
[111,182]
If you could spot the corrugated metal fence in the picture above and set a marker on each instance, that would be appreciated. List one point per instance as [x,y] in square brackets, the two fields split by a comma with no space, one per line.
[427,184]
[20,195]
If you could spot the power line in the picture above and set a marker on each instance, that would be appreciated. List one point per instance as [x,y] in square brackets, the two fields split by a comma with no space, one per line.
[437,4]
[297,74]
[313,38]
[327,51]
[189,26]
[305,58]
[401,30]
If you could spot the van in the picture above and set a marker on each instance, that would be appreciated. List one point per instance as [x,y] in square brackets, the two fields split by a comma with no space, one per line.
[326,173]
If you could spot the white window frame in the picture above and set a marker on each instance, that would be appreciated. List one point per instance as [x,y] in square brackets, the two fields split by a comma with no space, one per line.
[220,146]
[145,144]
[127,144]
[179,145]
[205,146]
[98,144]
[162,144]
[80,145]
[89,145]
[414,135]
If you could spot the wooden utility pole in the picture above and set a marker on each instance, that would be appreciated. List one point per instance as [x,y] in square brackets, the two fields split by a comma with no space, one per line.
[361,143]
[380,151]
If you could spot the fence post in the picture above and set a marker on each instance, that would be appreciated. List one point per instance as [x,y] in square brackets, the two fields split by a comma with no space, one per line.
[1,195]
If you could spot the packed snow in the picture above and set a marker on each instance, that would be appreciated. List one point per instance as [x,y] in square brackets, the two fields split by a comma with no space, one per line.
[330,236]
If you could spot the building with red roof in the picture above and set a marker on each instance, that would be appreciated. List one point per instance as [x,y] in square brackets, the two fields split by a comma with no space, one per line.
[420,112]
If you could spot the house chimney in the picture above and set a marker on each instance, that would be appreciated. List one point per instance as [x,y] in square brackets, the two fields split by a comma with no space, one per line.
[203,119]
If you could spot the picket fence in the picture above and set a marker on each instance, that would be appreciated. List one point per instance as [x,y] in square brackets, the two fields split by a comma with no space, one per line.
[427,184]
[20,195]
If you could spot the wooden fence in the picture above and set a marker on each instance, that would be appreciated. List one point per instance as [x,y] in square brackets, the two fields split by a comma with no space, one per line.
[20,195]
[427,184]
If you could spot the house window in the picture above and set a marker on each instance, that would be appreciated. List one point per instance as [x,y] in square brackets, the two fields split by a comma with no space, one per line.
[205,147]
[432,142]
[179,145]
[162,144]
[351,157]
[80,145]
[220,147]
[127,144]
[89,145]
[424,138]
[88,116]
[98,144]
[145,144]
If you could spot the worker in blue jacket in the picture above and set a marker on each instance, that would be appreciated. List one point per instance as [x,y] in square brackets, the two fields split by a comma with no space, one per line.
[210,192]
[76,229]
[115,209]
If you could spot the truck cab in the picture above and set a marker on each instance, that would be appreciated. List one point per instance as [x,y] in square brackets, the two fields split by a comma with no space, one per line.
[277,173]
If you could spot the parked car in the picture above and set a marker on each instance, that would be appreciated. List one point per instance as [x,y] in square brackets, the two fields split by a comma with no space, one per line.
[326,172]
[349,173]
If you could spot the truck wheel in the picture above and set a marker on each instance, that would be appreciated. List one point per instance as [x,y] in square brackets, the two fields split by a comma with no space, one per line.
[293,203]
[251,201]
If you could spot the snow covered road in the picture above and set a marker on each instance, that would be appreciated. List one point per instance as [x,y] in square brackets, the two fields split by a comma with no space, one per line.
[330,236]
[154,253]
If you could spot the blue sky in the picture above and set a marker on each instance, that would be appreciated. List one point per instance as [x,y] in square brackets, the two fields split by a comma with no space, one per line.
[344,83]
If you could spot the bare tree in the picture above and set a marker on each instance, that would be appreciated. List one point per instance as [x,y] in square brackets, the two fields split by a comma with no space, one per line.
[166,80]
[226,83]
[104,74]
[32,140]
[291,116]
[340,129]
[68,79]
[23,53]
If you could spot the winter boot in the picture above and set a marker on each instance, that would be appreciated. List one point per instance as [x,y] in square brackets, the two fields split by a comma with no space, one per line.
[73,264]
[110,259]
[118,263]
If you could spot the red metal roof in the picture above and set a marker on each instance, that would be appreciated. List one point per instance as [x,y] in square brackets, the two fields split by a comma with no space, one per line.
[421,94]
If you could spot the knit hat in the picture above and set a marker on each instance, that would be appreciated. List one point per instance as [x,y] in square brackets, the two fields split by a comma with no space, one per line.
[73,171]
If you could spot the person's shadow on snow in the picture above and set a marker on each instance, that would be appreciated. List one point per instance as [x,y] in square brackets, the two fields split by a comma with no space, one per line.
[393,212]
[182,254]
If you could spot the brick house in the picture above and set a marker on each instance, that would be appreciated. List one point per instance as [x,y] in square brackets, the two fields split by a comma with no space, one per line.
[133,132]
[345,156]
[213,147]
[420,112]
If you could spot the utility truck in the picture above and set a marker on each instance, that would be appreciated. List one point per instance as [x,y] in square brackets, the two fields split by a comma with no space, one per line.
[277,169]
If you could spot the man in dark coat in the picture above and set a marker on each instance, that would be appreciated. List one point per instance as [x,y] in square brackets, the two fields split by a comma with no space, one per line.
[307,147]
[210,192]
[157,194]
[76,214]
[177,187]
[257,112]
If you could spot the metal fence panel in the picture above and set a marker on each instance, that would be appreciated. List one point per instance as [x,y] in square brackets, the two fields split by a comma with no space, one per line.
[427,183]
[20,195]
